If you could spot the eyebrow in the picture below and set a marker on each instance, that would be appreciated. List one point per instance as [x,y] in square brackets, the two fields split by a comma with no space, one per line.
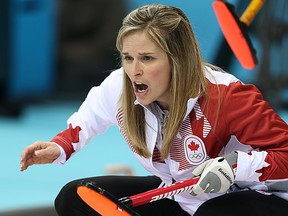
[144,53]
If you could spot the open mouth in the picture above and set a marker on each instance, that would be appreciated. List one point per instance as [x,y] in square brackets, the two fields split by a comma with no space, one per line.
[140,87]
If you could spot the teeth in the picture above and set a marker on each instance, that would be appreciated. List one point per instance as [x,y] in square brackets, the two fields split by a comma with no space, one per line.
[141,90]
[140,86]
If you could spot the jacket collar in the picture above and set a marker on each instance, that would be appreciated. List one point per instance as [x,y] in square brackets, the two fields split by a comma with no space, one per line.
[190,104]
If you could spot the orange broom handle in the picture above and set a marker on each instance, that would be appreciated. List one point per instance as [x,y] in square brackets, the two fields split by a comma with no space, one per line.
[251,11]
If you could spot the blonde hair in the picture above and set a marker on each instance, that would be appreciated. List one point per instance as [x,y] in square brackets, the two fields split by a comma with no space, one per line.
[170,29]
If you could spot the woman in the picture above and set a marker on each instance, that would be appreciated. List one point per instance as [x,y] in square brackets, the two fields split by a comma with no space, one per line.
[181,118]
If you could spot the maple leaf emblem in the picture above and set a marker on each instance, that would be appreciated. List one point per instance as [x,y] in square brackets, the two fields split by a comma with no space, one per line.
[193,146]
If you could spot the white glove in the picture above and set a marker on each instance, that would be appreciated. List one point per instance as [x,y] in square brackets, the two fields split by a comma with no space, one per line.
[216,175]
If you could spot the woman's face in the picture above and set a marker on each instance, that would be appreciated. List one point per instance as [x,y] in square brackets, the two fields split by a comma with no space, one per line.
[148,68]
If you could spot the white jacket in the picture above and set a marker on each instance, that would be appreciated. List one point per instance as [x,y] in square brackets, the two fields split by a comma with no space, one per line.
[241,122]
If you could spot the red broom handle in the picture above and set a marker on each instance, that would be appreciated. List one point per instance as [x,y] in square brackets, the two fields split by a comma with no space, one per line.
[160,193]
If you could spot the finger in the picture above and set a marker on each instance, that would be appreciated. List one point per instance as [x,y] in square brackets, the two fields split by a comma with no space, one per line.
[27,156]
[22,167]
[42,156]
[28,151]
[25,164]
[31,161]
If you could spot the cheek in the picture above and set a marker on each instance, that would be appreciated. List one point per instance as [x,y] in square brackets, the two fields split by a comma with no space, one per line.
[161,80]
[125,68]
[127,71]
[165,75]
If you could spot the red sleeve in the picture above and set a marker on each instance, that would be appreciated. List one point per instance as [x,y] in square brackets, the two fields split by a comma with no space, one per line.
[66,138]
[250,118]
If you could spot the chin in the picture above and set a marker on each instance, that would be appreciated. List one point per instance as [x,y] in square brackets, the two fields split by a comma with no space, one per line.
[144,102]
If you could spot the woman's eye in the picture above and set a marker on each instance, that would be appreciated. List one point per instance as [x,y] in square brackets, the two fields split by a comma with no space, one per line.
[147,58]
[127,58]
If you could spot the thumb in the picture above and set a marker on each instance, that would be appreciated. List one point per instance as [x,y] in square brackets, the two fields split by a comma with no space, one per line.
[51,153]
[40,153]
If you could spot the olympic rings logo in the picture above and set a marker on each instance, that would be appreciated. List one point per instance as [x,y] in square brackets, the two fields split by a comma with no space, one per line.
[196,156]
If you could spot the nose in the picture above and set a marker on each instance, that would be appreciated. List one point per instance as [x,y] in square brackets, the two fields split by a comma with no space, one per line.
[136,68]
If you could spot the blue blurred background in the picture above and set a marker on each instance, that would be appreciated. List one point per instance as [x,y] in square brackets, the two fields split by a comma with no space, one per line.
[53,51]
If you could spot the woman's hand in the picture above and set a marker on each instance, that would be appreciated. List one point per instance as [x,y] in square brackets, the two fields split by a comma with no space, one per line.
[39,153]
[216,175]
